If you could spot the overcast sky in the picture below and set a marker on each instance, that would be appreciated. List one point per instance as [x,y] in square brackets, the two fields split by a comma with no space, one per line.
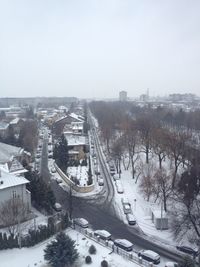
[95,48]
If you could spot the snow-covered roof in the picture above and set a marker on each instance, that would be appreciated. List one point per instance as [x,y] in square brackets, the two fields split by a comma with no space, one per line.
[3,125]
[158,213]
[15,121]
[75,140]
[10,180]
[76,117]
[7,152]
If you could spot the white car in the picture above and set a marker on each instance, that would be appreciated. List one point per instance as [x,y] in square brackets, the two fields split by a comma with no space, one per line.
[81,222]
[57,207]
[53,170]
[171,264]
[103,234]
[131,219]
[100,182]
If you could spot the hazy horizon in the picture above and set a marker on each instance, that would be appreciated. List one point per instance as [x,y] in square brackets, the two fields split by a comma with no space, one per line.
[94,49]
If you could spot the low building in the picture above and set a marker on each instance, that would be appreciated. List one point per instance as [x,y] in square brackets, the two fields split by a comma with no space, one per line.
[16,125]
[160,219]
[4,126]
[12,187]
[77,146]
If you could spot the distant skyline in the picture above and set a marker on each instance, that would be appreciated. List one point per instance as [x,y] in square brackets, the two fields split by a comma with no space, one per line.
[96,48]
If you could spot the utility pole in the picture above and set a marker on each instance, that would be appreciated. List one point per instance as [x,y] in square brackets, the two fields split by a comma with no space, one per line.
[161,219]
[70,203]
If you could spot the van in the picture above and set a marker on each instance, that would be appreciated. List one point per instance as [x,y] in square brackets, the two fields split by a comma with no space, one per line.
[150,256]
[103,234]
[123,244]
[81,222]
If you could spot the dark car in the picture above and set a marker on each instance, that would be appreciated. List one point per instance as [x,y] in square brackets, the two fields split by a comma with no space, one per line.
[188,250]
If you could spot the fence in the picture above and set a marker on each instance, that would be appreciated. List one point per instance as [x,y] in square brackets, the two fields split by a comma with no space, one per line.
[80,189]
[131,256]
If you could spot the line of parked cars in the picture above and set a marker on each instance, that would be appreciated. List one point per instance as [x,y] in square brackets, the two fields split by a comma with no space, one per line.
[128,211]
[123,244]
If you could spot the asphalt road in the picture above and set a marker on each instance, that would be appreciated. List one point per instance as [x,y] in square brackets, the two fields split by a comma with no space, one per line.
[100,212]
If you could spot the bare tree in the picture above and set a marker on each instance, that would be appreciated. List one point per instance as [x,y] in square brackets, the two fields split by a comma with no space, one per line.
[163,186]
[12,213]
[131,140]
[146,182]
[117,152]
[177,150]
[146,127]
[159,145]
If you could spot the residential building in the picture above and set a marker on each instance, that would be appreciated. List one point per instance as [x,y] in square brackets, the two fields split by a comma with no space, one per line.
[12,187]
[122,96]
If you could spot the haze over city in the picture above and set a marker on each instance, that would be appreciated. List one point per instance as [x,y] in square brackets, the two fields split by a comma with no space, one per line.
[97,48]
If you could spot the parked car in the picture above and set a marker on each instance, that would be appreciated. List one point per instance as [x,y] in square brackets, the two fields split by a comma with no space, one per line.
[131,219]
[125,200]
[116,177]
[127,208]
[57,206]
[59,180]
[119,187]
[123,244]
[100,181]
[150,256]
[81,222]
[103,234]
[53,170]
[112,171]
[171,264]
[188,250]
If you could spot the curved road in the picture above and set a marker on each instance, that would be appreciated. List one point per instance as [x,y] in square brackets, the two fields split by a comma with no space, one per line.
[99,211]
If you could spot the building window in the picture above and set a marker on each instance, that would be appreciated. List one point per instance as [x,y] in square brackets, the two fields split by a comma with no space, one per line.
[14,194]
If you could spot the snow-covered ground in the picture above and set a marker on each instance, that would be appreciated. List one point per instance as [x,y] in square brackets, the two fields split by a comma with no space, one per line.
[140,208]
[80,173]
[34,256]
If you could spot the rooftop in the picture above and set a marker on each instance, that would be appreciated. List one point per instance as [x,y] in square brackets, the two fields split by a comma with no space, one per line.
[7,152]
[10,180]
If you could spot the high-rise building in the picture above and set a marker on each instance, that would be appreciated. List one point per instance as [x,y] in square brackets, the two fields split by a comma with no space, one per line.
[122,96]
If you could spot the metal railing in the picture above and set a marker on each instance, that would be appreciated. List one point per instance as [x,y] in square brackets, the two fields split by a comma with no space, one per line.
[131,256]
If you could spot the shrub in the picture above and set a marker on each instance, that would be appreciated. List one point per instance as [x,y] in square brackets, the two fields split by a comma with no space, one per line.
[92,249]
[88,259]
[104,263]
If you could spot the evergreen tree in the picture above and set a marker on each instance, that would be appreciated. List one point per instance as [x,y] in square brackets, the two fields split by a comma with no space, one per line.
[1,241]
[187,262]
[61,154]
[61,252]
[5,241]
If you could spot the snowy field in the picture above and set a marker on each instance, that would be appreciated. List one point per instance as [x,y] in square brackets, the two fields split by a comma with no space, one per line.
[31,257]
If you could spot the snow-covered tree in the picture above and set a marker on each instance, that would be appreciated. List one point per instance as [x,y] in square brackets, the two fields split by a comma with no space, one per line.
[61,252]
